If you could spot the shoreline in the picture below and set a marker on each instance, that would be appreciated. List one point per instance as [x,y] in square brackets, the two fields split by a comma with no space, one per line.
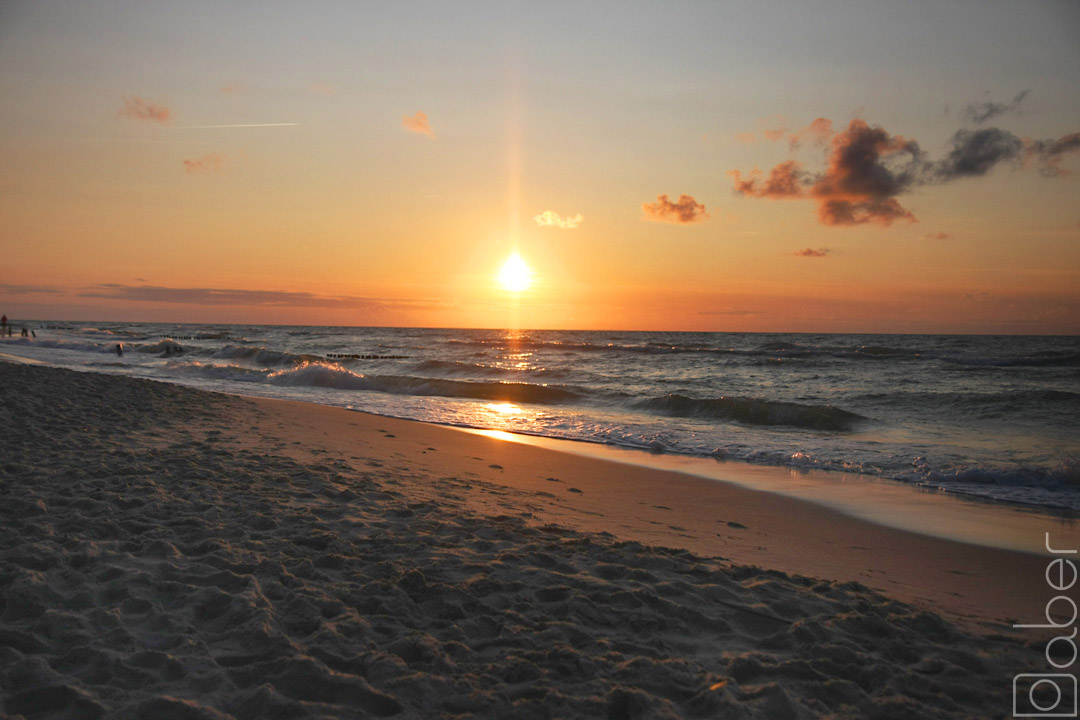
[166,551]
[865,514]
[987,586]
[944,514]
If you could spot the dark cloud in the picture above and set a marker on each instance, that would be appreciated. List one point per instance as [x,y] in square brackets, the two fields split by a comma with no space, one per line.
[1049,153]
[979,113]
[213,296]
[868,169]
[7,288]
[685,211]
[136,107]
[975,152]
[812,253]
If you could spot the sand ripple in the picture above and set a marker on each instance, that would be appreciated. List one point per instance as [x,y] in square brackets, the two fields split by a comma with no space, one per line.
[150,568]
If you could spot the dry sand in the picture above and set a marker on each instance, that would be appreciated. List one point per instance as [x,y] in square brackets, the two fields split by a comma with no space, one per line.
[169,553]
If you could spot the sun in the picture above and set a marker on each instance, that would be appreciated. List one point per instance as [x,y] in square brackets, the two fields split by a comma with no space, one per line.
[515,275]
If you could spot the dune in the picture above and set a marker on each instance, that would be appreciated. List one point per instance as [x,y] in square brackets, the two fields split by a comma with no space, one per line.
[172,553]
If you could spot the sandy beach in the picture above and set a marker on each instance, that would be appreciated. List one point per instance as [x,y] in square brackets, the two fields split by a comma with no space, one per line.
[172,553]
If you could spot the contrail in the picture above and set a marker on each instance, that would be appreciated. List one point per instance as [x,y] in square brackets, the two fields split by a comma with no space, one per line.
[248,125]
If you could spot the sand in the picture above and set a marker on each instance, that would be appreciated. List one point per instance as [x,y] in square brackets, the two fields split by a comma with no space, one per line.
[170,553]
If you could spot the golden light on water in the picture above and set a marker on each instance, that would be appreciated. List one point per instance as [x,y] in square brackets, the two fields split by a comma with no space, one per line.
[504,408]
[515,275]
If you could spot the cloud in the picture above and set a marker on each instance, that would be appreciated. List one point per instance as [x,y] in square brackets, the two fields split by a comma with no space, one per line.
[818,132]
[975,152]
[207,163]
[231,297]
[552,219]
[418,123]
[745,138]
[784,181]
[812,253]
[136,107]
[867,169]
[979,113]
[685,211]
[735,311]
[1049,153]
[7,288]
[939,235]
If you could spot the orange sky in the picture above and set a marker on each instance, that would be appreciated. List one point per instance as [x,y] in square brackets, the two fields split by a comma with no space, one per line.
[376,166]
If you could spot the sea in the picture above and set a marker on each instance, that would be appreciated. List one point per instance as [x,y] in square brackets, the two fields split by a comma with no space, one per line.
[994,417]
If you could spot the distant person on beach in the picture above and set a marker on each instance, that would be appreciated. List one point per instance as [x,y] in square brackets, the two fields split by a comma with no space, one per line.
[3,324]
[120,349]
[25,332]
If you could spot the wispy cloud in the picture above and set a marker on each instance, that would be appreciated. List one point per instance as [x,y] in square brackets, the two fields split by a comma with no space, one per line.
[939,235]
[812,253]
[248,298]
[213,162]
[819,132]
[1049,154]
[140,109]
[683,212]
[418,123]
[552,219]
[981,112]
[10,289]
[235,125]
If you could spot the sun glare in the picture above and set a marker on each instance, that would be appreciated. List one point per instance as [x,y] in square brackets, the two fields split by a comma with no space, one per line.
[515,275]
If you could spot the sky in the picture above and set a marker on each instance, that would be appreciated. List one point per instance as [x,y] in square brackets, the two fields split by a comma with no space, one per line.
[711,166]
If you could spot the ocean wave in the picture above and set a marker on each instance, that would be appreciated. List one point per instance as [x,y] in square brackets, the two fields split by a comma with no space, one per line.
[752,411]
[1066,475]
[335,376]
[263,356]
[1049,358]
[458,367]
[162,347]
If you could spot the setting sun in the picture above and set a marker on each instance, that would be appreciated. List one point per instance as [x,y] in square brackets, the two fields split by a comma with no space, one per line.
[515,275]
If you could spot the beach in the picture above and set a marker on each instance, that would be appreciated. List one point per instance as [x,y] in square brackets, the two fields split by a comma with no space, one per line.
[173,553]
